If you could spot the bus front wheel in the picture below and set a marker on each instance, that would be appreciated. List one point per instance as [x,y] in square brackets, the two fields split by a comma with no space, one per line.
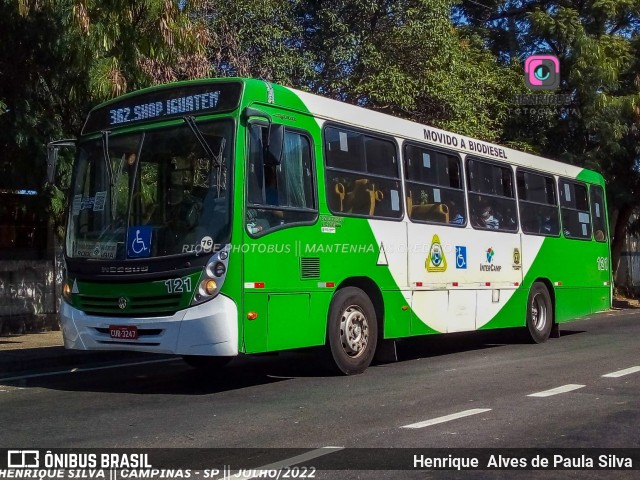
[203,362]
[352,330]
[539,313]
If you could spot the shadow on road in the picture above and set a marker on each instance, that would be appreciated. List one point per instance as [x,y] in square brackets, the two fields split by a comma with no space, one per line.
[174,377]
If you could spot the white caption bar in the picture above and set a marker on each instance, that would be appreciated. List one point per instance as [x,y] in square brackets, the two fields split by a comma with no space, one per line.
[277,466]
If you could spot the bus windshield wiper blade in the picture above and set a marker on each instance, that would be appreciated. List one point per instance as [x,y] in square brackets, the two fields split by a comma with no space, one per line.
[107,158]
[190,121]
[216,159]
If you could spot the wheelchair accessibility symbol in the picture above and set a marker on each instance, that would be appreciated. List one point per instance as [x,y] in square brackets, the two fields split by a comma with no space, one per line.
[139,242]
[461,257]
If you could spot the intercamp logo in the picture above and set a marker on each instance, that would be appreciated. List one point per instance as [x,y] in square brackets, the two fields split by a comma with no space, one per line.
[23,459]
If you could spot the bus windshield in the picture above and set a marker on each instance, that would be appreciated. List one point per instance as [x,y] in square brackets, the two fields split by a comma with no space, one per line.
[151,194]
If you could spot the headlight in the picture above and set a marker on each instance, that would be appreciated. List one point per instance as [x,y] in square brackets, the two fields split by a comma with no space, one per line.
[213,278]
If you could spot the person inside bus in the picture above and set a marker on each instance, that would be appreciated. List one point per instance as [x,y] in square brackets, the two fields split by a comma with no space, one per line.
[489,220]
[456,217]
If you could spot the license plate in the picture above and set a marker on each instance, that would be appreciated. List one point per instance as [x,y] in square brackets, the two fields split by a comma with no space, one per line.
[123,332]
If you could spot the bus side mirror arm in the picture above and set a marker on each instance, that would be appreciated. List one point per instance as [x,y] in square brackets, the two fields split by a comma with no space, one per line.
[275,136]
[53,148]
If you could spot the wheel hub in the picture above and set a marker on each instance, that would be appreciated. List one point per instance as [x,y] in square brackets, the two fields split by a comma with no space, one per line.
[538,313]
[354,331]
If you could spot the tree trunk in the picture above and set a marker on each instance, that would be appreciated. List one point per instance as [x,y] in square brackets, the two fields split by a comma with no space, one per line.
[620,236]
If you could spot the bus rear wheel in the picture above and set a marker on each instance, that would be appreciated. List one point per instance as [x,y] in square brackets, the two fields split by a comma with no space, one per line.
[203,362]
[539,313]
[352,331]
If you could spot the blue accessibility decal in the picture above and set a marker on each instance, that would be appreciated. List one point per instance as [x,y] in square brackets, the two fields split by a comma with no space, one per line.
[461,257]
[139,242]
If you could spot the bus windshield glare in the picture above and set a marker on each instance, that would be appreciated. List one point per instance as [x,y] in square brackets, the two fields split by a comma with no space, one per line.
[151,194]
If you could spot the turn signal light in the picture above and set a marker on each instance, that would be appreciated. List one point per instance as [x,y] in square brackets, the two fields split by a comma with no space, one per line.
[66,290]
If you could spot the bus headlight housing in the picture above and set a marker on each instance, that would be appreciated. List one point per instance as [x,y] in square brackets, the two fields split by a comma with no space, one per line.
[212,278]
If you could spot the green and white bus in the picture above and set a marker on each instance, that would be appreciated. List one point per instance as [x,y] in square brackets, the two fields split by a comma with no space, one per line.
[219,217]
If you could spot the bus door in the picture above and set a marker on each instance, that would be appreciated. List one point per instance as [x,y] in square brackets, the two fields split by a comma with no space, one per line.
[280,213]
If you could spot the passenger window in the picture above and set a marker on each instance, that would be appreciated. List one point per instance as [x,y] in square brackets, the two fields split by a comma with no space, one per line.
[362,174]
[538,204]
[492,203]
[574,207]
[434,187]
[598,214]
[279,194]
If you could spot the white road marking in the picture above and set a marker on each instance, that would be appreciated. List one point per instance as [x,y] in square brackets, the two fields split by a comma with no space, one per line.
[261,471]
[555,391]
[82,370]
[447,418]
[622,373]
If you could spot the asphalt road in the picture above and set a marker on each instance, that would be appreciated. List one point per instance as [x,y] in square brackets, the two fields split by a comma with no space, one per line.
[480,390]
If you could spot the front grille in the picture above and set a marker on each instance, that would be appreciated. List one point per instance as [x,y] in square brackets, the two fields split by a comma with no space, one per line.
[99,305]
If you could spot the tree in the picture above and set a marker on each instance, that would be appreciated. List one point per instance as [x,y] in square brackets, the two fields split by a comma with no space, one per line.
[402,57]
[61,57]
[256,39]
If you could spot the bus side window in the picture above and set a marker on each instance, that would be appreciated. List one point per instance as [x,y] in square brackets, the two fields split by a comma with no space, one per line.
[538,204]
[598,214]
[362,174]
[434,187]
[280,194]
[491,196]
[574,207]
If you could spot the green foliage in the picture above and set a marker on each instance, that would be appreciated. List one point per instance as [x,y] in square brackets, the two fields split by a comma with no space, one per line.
[260,39]
[401,57]
[59,58]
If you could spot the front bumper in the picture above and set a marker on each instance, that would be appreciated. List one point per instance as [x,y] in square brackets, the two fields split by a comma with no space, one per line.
[207,329]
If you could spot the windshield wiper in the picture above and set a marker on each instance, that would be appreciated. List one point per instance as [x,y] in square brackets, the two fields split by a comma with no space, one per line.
[216,159]
[107,161]
[105,153]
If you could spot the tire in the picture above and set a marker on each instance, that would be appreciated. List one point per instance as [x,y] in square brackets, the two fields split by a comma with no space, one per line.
[539,313]
[352,331]
[202,362]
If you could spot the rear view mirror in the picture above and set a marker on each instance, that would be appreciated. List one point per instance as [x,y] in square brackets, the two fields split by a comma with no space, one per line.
[275,137]
[53,148]
[273,151]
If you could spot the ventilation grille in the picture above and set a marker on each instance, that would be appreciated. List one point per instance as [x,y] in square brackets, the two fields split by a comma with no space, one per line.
[310,268]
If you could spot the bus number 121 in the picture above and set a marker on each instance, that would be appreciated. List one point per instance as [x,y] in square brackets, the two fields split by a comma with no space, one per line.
[178,285]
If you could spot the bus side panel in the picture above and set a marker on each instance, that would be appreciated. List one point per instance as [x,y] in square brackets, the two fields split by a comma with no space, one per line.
[397,315]
[255,331]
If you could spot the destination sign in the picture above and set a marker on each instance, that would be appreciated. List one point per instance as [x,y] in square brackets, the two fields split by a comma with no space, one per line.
[165,104]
